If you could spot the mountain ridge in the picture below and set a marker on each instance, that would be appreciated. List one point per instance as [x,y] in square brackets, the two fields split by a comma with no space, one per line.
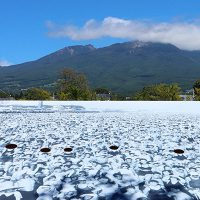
[124,68]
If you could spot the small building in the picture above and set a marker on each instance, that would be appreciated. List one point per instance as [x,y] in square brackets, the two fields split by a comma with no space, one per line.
[128,98]
[103,96]
[187,97]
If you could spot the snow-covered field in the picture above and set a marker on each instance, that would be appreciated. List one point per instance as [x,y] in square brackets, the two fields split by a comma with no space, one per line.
[143,164]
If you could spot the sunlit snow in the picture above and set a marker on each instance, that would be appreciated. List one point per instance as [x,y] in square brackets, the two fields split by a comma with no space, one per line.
[99,150]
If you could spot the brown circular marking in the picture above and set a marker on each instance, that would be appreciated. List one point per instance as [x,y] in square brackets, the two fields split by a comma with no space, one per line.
[45,150]
[68,149]
[114,147]
[178,151]
[11,146]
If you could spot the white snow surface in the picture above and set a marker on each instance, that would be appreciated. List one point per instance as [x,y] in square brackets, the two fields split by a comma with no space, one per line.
[144,166]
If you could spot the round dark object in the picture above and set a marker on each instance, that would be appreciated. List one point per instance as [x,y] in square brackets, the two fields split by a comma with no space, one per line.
[45,150]
[68,149]
[178,151]
[11,146]
[114,147]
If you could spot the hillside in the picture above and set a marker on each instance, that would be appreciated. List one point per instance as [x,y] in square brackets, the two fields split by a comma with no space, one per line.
[124,67]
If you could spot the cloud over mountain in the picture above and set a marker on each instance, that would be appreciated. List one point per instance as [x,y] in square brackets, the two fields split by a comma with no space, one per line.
[5,63]
[185,35]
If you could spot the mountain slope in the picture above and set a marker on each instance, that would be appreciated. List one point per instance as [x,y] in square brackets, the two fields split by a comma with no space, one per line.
[125,67]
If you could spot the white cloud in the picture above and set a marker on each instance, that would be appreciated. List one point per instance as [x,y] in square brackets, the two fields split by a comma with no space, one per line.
[185,35]
[5,63]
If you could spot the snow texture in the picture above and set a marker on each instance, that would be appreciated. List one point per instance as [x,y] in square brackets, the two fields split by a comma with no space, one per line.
[144,166]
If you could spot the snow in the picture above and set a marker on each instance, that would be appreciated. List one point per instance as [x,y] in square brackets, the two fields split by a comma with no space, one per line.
[114,106]
[144,164]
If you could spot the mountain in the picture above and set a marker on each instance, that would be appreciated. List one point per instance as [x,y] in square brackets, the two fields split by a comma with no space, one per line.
[123,67]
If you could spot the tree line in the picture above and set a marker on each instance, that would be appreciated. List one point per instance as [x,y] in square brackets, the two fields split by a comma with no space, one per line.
[73,85]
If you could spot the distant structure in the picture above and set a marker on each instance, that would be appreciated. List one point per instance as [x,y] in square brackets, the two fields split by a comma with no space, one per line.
[128,98]
[8,98]
[103,96]
[40,104]
[188,95]
[53,97]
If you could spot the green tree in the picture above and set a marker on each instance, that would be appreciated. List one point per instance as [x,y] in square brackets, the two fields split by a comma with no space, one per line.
[4,94]
[197,84]
[196,88]
[73,86]
[159,92]
[37,94]
[18,95]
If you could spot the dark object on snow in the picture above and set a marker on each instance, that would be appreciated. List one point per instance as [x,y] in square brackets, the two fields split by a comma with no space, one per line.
[178,151]
[45,150]
[68,149]
[113,147]
[11,146]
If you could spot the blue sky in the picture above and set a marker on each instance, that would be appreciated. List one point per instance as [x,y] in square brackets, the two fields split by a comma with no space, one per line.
[30,29]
